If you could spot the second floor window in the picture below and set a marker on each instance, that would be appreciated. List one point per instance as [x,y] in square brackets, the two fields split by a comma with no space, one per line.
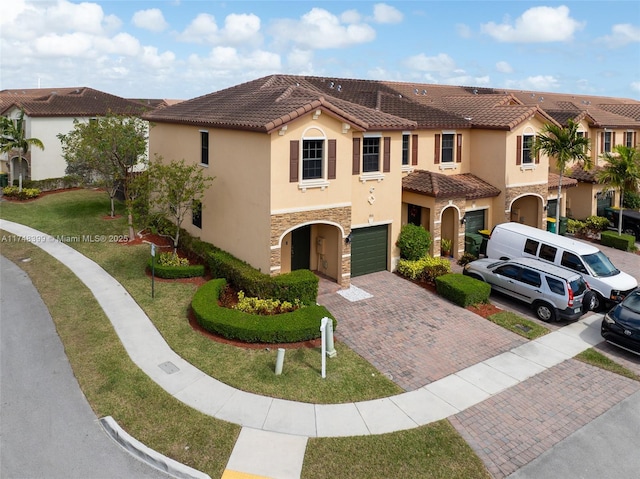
[405,150]
[312,157]
[606,141]
[204,147]
[447,148]
[628,139]
[527,143]
[370,155]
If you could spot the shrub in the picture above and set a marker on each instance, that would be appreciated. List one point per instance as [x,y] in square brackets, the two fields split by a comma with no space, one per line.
[631,200]
[424,269]
[596,224]
[413,242]
[171,266]
[25,194]
[265,306]
[300,325]
[463,290]
[172,259]
[576,227]
[466,258]
[623,242]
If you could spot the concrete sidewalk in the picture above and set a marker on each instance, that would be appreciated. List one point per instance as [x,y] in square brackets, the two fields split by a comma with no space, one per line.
[280,428]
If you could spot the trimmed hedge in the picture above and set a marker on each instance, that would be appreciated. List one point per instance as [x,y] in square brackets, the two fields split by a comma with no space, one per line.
[612,238]
[300,325]
[175,272]
[462,290]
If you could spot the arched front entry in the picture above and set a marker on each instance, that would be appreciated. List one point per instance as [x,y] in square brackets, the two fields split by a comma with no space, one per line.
[527,210]
[19,166]
[450,232]
[313,246]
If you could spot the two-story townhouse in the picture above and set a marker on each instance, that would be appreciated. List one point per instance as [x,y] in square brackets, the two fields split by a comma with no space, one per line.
[49,112]
[321,173]
[301,181]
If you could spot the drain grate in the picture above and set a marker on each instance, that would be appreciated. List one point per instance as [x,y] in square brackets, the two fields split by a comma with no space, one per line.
[521,327]
[168,367]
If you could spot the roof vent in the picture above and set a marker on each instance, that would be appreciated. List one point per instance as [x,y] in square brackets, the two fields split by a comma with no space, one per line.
[331,85]
[541,99]
[424,92]
[415,91]
[475,91]
[339,88]
[533,95]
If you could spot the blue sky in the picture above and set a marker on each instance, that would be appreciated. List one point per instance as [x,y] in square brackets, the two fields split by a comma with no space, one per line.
[179,49]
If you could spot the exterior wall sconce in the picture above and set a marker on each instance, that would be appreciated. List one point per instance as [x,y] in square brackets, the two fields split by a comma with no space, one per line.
[463,220]
[545,207]
[347,240]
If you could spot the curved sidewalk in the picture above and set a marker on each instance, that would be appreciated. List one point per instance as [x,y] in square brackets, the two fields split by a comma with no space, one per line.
[438,400]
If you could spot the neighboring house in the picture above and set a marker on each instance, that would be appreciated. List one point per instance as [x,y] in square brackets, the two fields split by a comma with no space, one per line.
[49,112]
[322,173]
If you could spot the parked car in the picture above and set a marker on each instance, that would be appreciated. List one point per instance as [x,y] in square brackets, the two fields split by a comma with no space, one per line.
[630,221]
[515,240]
[552,291]
[621,325]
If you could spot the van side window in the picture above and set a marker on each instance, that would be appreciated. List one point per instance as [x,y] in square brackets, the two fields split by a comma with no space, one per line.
[531,247]
[547,252]
[530,277]
[509,270]
[555,286]
[571,261]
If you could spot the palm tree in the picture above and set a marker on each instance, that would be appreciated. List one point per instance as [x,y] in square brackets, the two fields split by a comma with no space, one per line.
[622,171]
[567,146]
[14,137]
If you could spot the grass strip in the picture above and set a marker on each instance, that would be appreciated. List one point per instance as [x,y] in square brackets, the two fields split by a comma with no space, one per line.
[519,325]
[596,358]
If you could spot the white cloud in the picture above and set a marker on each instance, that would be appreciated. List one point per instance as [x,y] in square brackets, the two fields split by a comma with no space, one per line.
[228,58]
[152,59]
[319,29]
[536,25]
[621,35]
[383,13]
[537,83]
[121,44]
[441,63]
[151,19]
[351,16]
[463,30]
[635,86]
[68,45]
[504,67]
[238,29]
[300,60]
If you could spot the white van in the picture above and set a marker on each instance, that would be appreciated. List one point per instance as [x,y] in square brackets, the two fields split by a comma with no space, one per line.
[515,240]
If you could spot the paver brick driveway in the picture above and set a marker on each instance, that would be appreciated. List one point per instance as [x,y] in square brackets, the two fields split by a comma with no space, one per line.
[411,334]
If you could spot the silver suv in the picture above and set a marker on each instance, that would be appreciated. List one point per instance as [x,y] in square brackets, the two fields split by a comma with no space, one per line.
[553,292]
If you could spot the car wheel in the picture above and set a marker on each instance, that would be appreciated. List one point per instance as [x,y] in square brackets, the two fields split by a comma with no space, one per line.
[475,276]
[589,302]
[629,231]
[597,302]
[544,311]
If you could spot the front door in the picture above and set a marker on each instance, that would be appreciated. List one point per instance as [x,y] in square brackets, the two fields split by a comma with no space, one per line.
[300,248]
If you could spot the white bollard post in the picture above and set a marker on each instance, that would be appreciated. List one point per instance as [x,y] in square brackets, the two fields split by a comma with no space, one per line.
[331,350]
[279,361]
[323,329]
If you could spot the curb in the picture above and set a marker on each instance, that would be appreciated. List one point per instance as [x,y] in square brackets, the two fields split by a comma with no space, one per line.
[147,455]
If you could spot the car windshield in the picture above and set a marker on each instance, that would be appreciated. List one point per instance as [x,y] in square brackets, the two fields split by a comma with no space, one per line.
[600,265]
[632,302]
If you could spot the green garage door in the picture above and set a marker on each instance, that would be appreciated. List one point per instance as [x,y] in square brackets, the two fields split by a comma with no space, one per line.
[475,221]
[368,250]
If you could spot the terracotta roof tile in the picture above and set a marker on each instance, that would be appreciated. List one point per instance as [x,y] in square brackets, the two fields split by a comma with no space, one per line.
[68,102]
[448,186]
[584,176]
[567,181]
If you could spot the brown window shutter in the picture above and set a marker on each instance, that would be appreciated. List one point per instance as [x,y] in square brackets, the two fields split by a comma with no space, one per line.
[294,155]
[414,149]
[635,139]
[519,150]
[332,159]
[537,158]
[436,150]
[355,168]
[613,140]
[459,148]
[386,158]
[602,142]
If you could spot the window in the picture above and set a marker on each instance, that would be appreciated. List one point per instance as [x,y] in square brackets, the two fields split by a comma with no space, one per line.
[196,213]
[509,271]
[447,148]
[531,247]
[571,261]
[628,139]
[370,155]
[606,141]
[405,149]
[556,286]
[527,144]
[530,277]
[312,159]
[547,252]
[204,147]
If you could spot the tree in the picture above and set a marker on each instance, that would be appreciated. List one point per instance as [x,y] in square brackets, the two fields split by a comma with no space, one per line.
[176,187]
[107,151]
[14,137]
[567,147]
[622,171]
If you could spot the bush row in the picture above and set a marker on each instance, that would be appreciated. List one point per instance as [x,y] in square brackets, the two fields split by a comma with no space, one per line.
[50,184]
[175,272]
[463,290]
[623,242]
[300,325]
[25,194]
[427,268]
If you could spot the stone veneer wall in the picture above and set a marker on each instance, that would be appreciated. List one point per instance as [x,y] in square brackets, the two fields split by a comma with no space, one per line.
[440,205]
[287,221]
[513,192]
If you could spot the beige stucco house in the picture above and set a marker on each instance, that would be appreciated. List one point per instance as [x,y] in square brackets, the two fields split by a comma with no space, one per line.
[322,173]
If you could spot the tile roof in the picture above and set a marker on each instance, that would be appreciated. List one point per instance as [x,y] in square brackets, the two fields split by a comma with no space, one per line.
[567,181]
[584,176]
[438,185]
[67,102]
